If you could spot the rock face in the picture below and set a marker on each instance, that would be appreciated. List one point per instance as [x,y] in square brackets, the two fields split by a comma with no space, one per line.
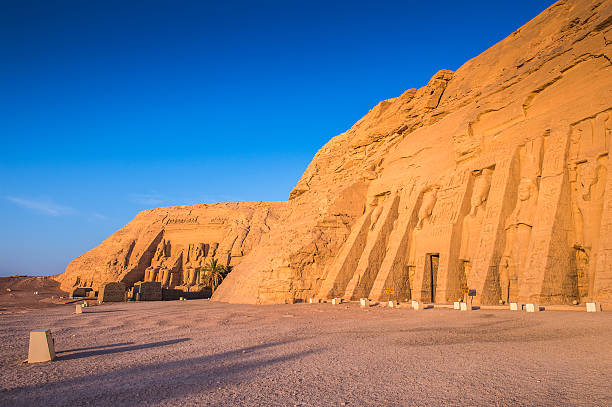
[172,245]
[493,177]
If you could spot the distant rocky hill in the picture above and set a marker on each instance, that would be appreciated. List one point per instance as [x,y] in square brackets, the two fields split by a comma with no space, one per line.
[493,178]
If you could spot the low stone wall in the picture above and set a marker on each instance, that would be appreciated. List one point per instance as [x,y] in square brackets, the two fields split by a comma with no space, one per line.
[81,292]
[171,294]
[112,292]
[147,291]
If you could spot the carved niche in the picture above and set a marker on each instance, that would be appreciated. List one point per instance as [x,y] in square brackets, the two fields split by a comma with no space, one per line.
[519,224]
[588,167]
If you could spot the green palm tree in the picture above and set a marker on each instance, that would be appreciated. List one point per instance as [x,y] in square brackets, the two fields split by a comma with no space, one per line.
[214,273]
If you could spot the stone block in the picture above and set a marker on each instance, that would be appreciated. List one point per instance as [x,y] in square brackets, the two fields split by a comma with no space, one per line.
[418,306]
[457,305]
[112,292]
[514,306]
[593,307]
[364,302]
[81,292]
[465,306]
[393,304]
[42,347]
[79,309]
[336,301]
[148,291]
[532,308]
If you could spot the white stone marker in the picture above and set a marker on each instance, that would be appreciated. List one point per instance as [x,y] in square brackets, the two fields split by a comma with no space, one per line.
[514,306]
[532,308]
[311,300]
[336,301]
[393,304]
[364,302]
[42,348]
[418,306]
[456,305]
[465,306]
[79,309]
[593,307]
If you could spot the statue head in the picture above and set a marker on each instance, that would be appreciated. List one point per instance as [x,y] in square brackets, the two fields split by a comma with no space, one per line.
[525,189]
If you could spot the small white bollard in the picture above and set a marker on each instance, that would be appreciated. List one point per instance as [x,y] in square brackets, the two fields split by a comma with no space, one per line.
[393,304]
[418,306]
[79,309]
[311,300]
[532,308]
[514,306]
[364,302]
[465,306]
[593,307]
[336,301]
[42,348]
[456,305]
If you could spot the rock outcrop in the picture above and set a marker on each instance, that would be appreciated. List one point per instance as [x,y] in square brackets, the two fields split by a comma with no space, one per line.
[493,177]
[172,245]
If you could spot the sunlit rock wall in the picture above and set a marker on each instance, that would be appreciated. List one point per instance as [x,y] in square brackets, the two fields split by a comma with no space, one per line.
[493,178]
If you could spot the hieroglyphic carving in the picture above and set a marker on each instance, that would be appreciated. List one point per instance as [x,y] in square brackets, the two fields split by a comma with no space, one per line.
[179,221]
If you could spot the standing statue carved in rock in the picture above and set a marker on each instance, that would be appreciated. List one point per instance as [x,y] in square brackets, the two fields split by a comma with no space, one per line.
[426,209]
[473,220]
[519,224]
[518,233]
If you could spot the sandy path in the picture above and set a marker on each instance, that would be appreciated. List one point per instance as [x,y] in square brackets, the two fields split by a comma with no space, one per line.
[203,353]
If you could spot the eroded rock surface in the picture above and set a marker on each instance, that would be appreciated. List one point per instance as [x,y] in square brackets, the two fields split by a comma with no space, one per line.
[493,177]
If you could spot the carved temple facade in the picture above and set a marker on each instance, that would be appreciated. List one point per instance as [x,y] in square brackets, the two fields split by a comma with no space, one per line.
[491,178]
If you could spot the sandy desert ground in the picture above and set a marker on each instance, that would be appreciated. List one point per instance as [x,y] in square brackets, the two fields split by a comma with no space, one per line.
[205,353]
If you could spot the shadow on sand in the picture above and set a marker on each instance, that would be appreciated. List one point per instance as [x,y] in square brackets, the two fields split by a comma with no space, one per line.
[112,345]
[186,377]
[119,349]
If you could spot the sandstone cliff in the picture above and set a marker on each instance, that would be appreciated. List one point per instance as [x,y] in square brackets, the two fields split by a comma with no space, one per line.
[493,177]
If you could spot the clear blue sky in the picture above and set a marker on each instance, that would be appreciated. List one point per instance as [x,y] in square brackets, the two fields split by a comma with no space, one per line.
[111,107]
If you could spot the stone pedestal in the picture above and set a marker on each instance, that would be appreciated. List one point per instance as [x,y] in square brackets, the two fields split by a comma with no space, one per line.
[418,306]
[364,302]
[393,304]
[336,301]
[465,306]
[593,307]
[457,305]
[532,308]
[514,306]
[79,309]
[42,348]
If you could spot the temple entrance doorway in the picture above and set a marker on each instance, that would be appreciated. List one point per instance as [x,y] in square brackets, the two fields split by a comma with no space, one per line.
[433,261]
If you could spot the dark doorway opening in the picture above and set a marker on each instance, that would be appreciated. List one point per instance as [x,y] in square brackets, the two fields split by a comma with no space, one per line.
[433,262]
